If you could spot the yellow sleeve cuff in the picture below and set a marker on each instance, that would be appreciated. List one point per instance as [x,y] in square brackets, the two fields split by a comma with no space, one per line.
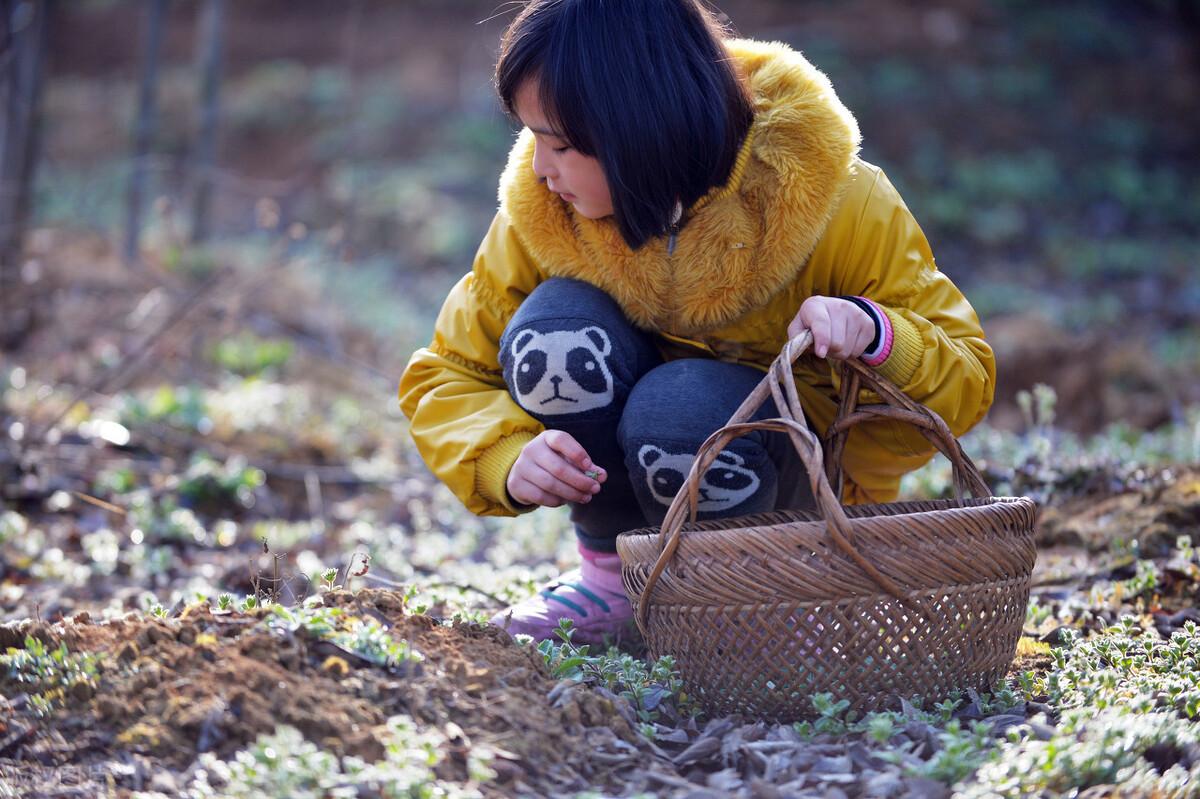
[907,350]
[493,466]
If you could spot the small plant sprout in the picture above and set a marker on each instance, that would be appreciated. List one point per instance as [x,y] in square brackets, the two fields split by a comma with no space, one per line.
[328,578]
[880,727]
[565,630]
[365,638]
[158,611]
[51,674]
[1036,614]
[249,603]
[946,709]
[646,686]
[1031,686]
[225,602]
[284,763]
[832,716]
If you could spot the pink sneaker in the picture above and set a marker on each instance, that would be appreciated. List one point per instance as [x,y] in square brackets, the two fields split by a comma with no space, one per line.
[592,597]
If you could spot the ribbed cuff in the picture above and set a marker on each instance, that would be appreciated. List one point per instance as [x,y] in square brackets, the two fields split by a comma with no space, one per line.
[493,466]
[907,350]
[881,344]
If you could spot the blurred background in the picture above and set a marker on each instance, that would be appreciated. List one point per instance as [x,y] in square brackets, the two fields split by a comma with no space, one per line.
[1048,150]
[226,226]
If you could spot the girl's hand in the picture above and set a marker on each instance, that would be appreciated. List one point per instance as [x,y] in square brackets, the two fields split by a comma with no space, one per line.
[840,328]
[551,470]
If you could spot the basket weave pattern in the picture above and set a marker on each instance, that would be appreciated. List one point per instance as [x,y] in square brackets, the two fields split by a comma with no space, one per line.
[868,602]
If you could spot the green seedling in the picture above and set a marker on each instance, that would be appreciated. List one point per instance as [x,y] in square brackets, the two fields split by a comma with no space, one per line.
[52,674]
[365,638]
[880,727]
[284,763]
[646,686]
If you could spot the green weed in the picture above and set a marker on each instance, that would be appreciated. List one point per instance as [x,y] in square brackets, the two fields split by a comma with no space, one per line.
[645,685]
[364,637]
[51,674]
[284,763]
[247,354]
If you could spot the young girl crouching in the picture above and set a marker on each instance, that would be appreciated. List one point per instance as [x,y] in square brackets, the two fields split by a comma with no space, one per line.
[677,205]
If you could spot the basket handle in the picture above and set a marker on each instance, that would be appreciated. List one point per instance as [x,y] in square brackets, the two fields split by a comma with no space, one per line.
[900,407]
[780,383]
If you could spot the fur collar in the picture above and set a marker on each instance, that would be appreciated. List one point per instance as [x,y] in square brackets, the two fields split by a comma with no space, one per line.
[743,242]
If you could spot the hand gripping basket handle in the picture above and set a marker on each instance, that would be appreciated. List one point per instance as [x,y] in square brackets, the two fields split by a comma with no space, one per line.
[780,384]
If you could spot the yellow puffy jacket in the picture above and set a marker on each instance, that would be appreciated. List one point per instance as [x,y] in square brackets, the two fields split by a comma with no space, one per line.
[801,215]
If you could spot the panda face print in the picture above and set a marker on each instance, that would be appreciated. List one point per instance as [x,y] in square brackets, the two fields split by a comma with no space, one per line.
[726,484]
[562,372]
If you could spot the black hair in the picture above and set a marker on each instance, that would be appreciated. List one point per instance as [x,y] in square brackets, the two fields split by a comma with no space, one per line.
[645,86]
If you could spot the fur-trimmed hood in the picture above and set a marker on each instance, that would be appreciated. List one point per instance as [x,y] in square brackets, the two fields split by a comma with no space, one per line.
[742,242]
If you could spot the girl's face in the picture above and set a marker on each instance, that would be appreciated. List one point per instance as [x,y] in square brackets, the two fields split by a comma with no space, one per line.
[577,178]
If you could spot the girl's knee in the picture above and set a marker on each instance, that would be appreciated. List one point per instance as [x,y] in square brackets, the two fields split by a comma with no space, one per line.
[569,350]
[695,393]
[669,414]
[735,483]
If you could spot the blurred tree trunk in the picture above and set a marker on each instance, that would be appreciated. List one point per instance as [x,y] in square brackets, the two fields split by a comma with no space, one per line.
[350,47]
[24,26]
[209,47]
[156,12]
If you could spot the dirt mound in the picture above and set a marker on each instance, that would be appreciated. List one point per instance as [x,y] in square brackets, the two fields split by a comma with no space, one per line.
[212,682]
[1154,516]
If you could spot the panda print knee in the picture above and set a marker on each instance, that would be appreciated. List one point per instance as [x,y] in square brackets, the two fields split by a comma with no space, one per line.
[562,372]
[726,484]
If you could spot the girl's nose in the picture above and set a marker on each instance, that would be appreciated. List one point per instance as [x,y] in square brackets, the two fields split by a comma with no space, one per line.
[541,164]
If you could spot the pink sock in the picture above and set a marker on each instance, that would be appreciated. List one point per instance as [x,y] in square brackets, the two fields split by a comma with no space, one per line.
[602,569]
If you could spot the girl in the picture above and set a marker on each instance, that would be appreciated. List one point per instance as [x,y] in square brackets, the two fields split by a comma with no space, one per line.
[677,205]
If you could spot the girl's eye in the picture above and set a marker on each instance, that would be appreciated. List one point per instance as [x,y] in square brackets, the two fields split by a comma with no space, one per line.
[561,149]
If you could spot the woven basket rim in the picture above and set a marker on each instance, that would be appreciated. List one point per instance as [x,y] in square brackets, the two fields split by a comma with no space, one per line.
[914,510]
[835,601]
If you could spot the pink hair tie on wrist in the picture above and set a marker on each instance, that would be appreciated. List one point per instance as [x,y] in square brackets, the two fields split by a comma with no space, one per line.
[886,337]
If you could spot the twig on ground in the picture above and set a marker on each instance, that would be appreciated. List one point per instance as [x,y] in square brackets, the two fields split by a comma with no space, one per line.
[99,503]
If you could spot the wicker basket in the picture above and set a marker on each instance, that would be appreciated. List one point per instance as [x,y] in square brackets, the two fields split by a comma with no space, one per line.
[869,602]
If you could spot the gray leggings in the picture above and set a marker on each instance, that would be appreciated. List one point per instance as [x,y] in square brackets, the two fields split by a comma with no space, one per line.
[574,362]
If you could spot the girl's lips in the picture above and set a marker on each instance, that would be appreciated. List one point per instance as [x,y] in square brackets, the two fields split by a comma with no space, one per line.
[568,197]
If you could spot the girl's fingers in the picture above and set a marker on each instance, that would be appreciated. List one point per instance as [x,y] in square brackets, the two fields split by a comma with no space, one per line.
[565,472]
[838,345]
[819,324]
[529,494]
[865,335]
[565,444]
[550,483]
[796,327]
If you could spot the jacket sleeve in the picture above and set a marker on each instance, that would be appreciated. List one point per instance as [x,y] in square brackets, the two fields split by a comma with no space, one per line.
[464,422]
[938,353]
